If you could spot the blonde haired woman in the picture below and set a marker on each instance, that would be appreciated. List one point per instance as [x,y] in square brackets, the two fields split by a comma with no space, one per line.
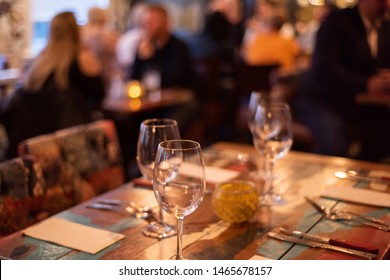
[61,87]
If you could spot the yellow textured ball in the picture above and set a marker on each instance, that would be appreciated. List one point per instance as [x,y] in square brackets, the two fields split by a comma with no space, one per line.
[235,202]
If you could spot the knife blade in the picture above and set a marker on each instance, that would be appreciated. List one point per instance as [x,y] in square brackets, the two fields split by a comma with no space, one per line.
[313,244]
[119,209]
[116,202]
[351,174]
[331,241]
[109,207]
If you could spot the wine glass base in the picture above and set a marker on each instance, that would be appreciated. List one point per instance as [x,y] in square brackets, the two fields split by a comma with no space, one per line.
[272,199]
[158,230]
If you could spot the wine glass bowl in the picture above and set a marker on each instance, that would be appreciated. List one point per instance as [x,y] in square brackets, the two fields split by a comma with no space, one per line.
[179,181]
[178,199]
[152,132]
[259,98]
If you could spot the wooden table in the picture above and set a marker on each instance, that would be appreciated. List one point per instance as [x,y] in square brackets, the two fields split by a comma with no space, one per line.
[207,237]
[130,106]
[376,100]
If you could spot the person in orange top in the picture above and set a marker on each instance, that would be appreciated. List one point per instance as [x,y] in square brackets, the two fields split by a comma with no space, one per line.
[269,47]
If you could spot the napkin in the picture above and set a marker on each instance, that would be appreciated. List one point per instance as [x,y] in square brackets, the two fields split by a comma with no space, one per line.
[258,257]
[379,186]
[362,196]
[214,175]
[73,235]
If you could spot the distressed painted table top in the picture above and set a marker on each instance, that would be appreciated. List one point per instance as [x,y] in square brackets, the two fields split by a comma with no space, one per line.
[207,237]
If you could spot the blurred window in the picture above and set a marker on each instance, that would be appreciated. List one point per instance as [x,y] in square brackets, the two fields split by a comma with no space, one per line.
[42,12]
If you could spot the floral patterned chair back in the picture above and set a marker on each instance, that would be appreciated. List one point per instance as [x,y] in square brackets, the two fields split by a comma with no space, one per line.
[93,151]
[21,189]
[58,170]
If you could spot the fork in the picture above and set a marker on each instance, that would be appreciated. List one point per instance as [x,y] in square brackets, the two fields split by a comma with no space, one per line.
[336,215]
[367,218]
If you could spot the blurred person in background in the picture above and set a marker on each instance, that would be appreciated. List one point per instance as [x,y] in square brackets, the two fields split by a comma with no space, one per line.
[307,32]
[264,11]
[126,48]
[231,11]
[270,47]
[221,36]
[351,56]
[62,87]
[159,49]
[165,59]
[102,40]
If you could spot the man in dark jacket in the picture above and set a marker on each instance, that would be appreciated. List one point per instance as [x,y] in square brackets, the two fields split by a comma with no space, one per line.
[351,56]
[160,50]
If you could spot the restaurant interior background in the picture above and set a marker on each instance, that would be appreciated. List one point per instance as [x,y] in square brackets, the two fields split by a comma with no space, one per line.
[25,23]
[61,173]
[24,28]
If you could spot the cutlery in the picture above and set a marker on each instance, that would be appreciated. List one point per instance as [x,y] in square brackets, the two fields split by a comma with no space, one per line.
[371,219]
[120,209]
[330,241]
[356,176]
[116,202]
[336,215]
[313,244]
[227,154]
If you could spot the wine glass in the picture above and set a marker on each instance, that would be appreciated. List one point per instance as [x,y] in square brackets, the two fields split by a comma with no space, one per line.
[257,98]
[179,181]
[272,138]
[152,132]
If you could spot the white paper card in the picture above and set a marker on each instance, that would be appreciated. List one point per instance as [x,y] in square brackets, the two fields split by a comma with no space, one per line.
[73,235]
[214,174]
[361,196]
[258,257]
[379,186]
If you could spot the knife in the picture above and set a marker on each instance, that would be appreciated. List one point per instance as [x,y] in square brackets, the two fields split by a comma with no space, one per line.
[116,202]
[331,241]
[354,175]
[313,244]
[128,210]
[320,208]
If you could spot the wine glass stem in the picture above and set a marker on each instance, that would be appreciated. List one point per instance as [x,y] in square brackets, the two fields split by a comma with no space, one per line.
[271,164]
[179,251]
[160,216]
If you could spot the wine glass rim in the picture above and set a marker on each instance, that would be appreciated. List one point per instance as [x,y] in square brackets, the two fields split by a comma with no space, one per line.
[187,144]
[159,122]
